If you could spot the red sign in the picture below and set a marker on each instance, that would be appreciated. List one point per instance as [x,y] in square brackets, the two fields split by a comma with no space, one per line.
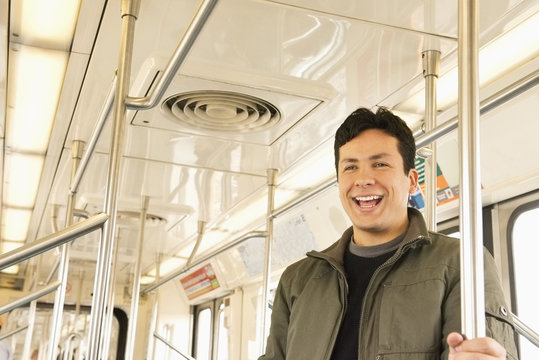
[200,282]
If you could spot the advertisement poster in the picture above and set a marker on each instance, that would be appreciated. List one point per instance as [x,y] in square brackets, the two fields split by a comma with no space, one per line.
[200,282]
[444,193]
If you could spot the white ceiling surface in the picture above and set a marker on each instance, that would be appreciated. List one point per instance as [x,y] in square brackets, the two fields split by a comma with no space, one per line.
[315,61]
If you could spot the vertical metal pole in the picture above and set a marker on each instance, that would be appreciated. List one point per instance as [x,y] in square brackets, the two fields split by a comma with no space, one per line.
[29,330]
[77,149]
[31,316]
[272,183]
[133,313]
[105,253]
[150,354]
[431,62]
[471,252]
[109,309]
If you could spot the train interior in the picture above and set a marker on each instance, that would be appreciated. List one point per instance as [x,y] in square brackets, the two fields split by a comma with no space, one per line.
[249,114]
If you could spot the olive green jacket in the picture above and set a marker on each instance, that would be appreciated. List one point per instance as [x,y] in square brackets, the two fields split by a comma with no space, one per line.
[410,306]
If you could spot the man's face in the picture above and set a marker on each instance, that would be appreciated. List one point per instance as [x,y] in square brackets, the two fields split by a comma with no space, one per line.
[373,187]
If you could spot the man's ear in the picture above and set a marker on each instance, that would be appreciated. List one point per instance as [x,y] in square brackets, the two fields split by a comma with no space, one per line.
[413,176]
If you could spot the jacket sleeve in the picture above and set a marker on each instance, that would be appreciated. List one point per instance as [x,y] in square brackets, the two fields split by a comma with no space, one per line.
[280,317]
[499,325]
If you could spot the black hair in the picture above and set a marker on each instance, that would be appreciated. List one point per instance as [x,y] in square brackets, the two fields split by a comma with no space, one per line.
[364,119]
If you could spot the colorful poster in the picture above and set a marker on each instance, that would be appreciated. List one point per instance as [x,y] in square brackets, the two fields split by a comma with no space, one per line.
[200,282]
[444,193]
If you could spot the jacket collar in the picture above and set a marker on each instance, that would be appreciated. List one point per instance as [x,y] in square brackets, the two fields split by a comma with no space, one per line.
[416,235]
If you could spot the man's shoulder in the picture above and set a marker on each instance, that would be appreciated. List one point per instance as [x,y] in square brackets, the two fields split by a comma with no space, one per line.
[315,260]
[439,249]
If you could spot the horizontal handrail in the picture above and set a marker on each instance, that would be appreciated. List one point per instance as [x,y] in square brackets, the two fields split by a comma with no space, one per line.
[13,332]
[167,343]
[250,235]
[525,330]
[30,297]
[486,105]
[51,241]
[186,42]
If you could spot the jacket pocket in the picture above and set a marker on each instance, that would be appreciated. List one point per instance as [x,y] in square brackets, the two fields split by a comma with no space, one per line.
[410,320]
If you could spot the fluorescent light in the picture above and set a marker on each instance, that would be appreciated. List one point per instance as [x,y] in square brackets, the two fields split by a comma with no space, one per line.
[35,81]
[21,174]
[145,280]
[503,54]
[15,224]
[186,251]
[311,172]
[49,23]
[168,265]
[11,270]
[248,214]
[283,197]
[8,246]
[209,240]
[512,48]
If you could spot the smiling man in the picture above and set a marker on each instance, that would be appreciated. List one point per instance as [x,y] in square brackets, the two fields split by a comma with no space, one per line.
[388,289]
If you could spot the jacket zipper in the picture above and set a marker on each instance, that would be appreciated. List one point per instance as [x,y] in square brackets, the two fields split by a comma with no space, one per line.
[400,252]
[344,294]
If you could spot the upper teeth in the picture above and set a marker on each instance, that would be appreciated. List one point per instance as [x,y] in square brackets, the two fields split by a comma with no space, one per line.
[368,198]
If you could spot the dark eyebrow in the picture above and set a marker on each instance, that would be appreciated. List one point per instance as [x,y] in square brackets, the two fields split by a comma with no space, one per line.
[378,156]
[374,157]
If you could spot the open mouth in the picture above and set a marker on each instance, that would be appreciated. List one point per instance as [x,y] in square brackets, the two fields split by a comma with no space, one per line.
[368,201]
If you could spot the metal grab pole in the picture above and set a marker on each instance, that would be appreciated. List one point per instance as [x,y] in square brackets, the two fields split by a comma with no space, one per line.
[471,251]
[29,298]
[525,330]
[167,343]
[51,241]
[133,313]
[109,307]
[186,42]
[272,183]
[106,247]
[431,62]
[13,332]
[107,106]
[30,331]
[175,274]
[150,351]
[77,149]
[201,229]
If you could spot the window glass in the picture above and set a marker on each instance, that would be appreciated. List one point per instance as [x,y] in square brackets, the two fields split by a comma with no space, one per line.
[222,345]
[525,247]
[203,336]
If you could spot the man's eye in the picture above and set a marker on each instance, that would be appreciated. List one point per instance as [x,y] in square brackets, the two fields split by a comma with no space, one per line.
[380,164]
[350,167]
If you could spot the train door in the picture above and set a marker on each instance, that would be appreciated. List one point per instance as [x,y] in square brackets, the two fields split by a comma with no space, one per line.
[210,341]
[519,243]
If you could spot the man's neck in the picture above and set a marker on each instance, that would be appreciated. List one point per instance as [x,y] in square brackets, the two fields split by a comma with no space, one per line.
[373,238]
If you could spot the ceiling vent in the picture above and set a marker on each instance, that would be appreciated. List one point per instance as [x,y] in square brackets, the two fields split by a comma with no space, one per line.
[221,111]
[251,109]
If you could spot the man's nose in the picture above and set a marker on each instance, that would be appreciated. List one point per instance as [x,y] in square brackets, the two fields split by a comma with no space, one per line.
[364,177]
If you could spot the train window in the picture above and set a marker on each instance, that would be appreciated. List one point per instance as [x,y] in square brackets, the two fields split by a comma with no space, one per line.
[203,334]
[211,335]
[524,248]
[222,335]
